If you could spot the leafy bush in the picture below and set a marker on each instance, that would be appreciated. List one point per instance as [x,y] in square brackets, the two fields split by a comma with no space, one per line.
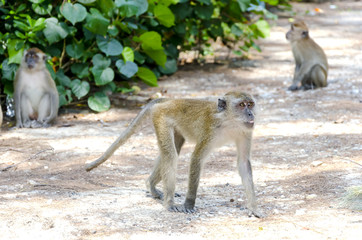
[102,46]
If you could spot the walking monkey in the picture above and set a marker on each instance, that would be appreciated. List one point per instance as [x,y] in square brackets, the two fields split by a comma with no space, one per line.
[209,125]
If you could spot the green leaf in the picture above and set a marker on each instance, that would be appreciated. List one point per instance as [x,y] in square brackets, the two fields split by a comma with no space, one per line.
[96,22]
[110,46]
[170,67]
[159,56]
[216,29]
[80,69]
[204,11]
[271,2]
[62,78]
[237,52]
[236,30]
[263,27]
[139,58]
[51,70]
[164,15]
[87,2]
[243,4]
[128,69]
[36,1]
[54,31]
[169,2]
[207,2]
[80,88]
[101,62]
[129,8]
[113,31]
[15,53]
[75,50]
[21,25]
[254,45]
[147,76]
[21,8]
[106,6]
[8,70]
[182,11]
[39,24]
[99,102]
[103,76]
[128,54]
[73,13]
[151,41]
[65,95]
[42,10]
[172,51]
[152,46]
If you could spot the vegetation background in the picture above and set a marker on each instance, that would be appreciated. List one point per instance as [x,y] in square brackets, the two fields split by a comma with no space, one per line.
[97,47]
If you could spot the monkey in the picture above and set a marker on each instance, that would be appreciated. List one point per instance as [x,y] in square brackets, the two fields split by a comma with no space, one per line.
[209,125]
[35,94]
[311,66]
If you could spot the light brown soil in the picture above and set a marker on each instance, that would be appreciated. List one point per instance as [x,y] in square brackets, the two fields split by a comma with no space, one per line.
[305,149]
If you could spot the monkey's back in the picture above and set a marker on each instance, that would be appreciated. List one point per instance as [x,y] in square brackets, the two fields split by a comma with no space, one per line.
[191,117]
[307,50]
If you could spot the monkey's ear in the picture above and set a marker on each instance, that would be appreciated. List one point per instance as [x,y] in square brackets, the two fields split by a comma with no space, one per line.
[45,58]
[221,105]
[305,34]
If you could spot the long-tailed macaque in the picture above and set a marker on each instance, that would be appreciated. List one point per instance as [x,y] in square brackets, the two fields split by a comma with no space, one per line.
[35,94]
[311,66]
[209,125]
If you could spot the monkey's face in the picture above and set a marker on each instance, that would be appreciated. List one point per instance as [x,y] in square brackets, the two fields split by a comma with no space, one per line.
[34,58]
[298,31]
[239,106]
[246,108]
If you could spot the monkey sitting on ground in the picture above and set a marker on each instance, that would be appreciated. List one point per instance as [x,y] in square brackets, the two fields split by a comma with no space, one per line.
[311,66]
[209,125]
[35,94]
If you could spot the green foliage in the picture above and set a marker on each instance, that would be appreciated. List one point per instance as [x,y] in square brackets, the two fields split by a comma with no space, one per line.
[97,46]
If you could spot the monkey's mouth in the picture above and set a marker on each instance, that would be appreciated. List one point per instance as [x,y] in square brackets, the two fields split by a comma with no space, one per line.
[250,123]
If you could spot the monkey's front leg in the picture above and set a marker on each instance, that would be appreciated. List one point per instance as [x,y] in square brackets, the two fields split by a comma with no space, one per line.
[245,172]
[301,72]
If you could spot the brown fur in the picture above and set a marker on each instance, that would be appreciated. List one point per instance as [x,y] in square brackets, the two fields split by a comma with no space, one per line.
[35,93]
[311,66]
[209,125]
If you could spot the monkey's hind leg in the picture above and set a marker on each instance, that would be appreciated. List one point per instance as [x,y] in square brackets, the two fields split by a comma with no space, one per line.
[318,76]
[156,175]
[44,111]
[154,179]
[27,112]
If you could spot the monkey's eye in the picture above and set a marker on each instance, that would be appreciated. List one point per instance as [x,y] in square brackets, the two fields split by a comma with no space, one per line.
[251,104]
[242,104]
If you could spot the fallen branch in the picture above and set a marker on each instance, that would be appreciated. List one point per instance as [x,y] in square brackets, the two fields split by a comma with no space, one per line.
[30,158]
[349,160]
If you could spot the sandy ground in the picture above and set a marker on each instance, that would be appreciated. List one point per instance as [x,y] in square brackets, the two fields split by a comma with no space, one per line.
[306,148]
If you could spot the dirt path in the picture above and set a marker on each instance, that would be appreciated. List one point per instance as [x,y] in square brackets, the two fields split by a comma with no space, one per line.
[303,150]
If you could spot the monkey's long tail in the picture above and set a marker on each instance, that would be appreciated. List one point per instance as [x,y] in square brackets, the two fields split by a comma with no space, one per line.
[125,135]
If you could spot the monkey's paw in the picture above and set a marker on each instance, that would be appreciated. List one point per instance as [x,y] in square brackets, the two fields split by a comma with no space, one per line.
[293,88]
[157,194]
[255,213]
[181,209]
